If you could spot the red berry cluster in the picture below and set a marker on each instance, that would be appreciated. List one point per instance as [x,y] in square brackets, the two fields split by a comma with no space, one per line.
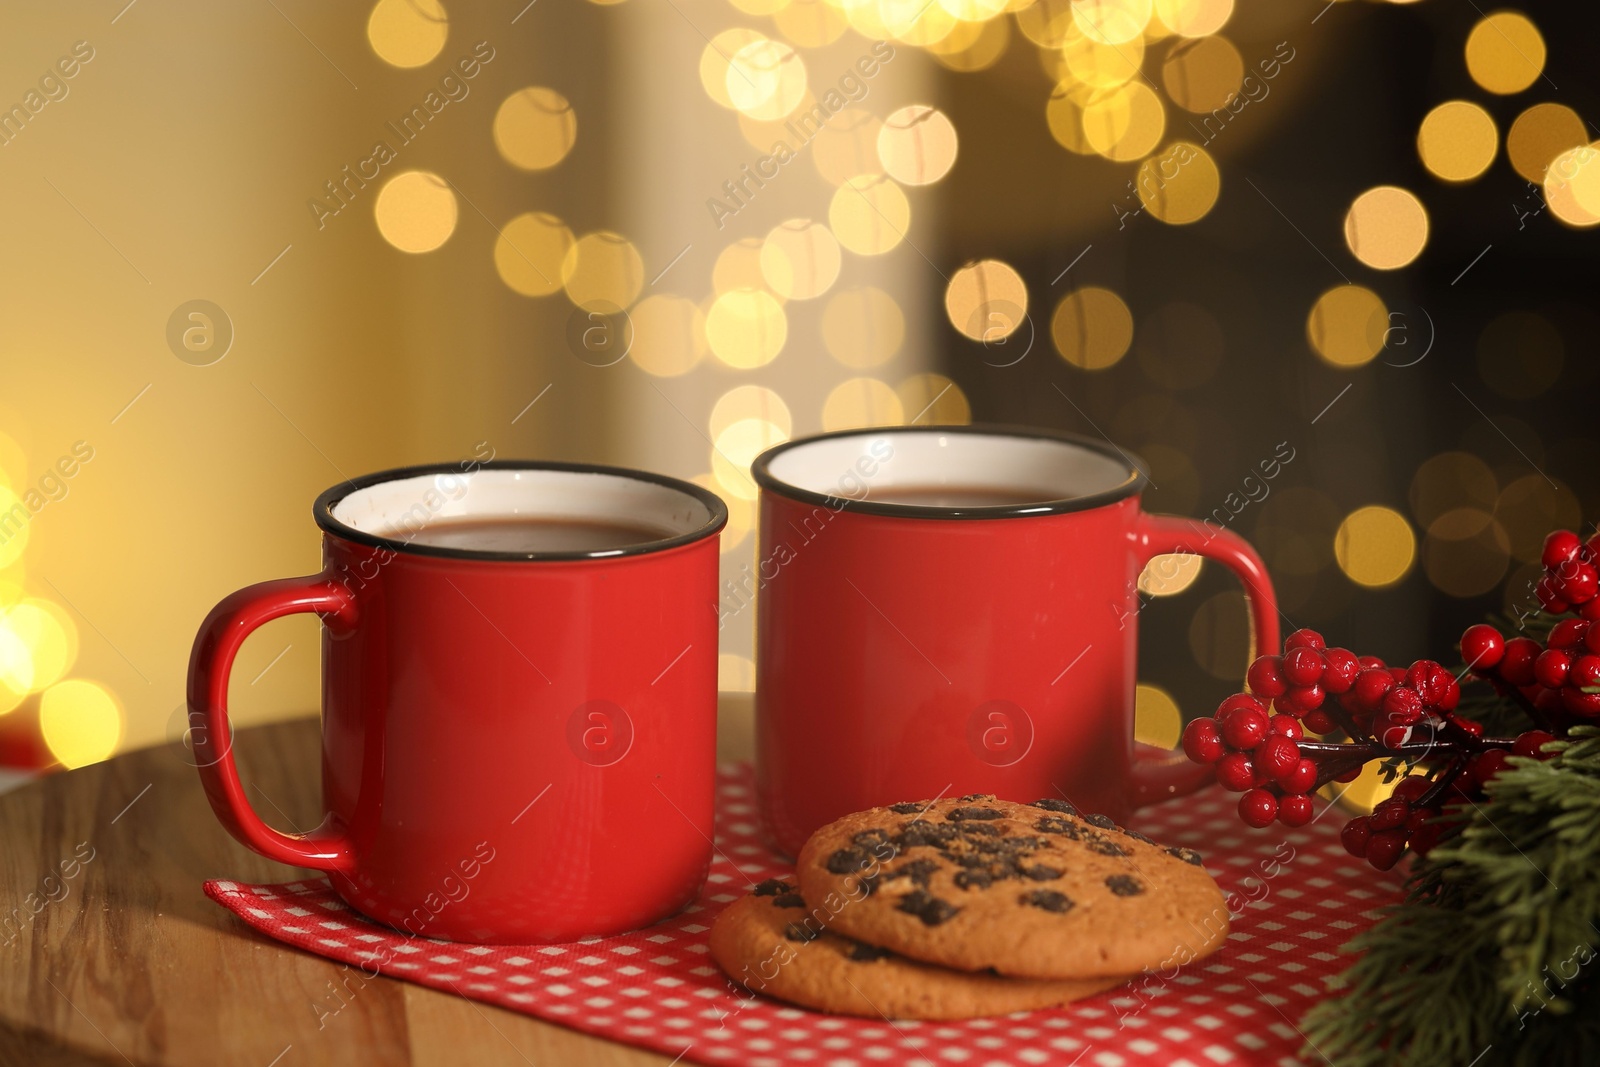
[1559,678]
[1571,579]
[1410,815]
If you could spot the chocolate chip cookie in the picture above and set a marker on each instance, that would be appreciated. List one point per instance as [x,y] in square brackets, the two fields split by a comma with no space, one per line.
[772,942]
[1035,890]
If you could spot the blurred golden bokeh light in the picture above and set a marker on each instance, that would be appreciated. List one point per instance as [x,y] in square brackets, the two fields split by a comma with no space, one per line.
[863,327]
[1180,184]
[1375,546]
[1539,135]
[1347,325]
[1448,481]
[862,402]
[529,251]
[746,328]
[1457,141]
[1386,227]
[1156,718]
[869,214]
[416,211]
[1505,52]
[1194,18]
[738,266]
[602,271]
[1170,574]
[986,301]
[933,400]
[1125,123]
[716,62]
[81,722]
[1092,328]
[766,79]
[1112,22]
[973,46]
[750,402]
[917,145]
[1465,553]
[810,23]
[1099,65]
[669,335]
[847,146]
[1201,74]
[535,128]
[1569,173]
[407,33]
[736,447]
[800,259]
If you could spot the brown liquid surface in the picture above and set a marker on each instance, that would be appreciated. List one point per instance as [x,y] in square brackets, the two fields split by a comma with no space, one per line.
[959,496]
[524,533]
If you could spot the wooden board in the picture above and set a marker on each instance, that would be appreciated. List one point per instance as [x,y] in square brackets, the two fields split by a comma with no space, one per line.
[111,954]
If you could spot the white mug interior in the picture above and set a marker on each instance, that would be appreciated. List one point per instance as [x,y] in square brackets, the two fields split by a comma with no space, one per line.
[398,509]
[1051,469]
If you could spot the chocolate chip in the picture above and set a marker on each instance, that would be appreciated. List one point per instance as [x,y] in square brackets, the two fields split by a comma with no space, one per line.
[1124,885]
[927,907]
[976,878]
[1187,855]
[1105,822]
[1042,873]
[905,809]
[937,835]
[789,900]
[1022,844]
[1107,848]
[1061,807]
[1048,899]
[976,796]
[1137,836]
[958,814]
[849,861]
[862,952]
[980,829]
[919,871]
[871,838]
[771,887]
[799,932]
[1051,825]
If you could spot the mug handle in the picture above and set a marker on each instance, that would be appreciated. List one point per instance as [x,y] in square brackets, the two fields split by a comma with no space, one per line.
[326,848]
[1160,774]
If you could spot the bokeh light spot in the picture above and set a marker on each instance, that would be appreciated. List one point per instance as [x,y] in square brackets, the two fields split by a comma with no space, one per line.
[750,402]
[1505,52]
[1194,18]
[1126,123]
[602,270]
[1375,546]
[669,335]
[1386,228]
[986,301]
[746,328]
[416,211]
[535,128]
[869,214]
[1457,141]
[861,402]
[933,400]
[863,327]
[736,447]
[1347,325]
[529,252]
[81,722]
[1179,185]
[800,259]
[917,145]
[1200,75]
[407,33]
[1091,328]
[1156,718]
[1170,574]
[1539,135]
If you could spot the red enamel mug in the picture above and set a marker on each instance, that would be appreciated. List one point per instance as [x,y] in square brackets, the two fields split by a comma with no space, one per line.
[981,639]
[516,746]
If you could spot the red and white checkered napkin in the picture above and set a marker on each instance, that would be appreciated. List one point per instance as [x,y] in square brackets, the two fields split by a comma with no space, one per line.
[1296,896]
